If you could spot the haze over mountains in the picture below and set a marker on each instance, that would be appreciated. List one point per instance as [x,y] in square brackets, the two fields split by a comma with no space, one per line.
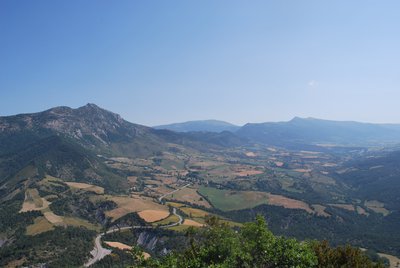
[95,127]
[300,131]
[200,125]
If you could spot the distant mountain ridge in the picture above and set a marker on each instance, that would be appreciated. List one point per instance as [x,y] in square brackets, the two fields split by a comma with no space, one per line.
[300,131]
[314,131]
[200,125]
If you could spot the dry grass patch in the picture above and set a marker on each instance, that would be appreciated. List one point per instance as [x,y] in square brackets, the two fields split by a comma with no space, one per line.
[344,206]
[361,211]
[40,225]
[135,203]
[123,246]
[171,219]
[132,179]
[33,201]
[302,170]
[175,204]
[118,245]
[194,212]
[189,195]
[153,215]
[280,200]
[377,207]
[53,218]
[320,210]
[87,187]
[72,221]
[188,222]
[250,154]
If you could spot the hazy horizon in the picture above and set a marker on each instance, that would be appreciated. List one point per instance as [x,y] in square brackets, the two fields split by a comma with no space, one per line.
[208,119]
[157,63]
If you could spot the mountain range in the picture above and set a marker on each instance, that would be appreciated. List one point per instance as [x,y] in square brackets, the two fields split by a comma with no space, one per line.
[200,125]
[300,131]
[90,168]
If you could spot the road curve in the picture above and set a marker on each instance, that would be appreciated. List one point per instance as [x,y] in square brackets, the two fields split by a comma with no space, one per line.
[99,252]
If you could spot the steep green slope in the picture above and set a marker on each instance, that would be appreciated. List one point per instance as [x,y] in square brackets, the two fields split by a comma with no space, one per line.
[59,157]
[375,178]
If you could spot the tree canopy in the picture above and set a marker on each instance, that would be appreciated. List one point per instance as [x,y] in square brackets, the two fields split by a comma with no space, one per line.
[253,245]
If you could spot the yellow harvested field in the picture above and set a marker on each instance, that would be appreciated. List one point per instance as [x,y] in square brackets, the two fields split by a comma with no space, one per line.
[123,246]
[361,211]
[320,210]
[279,164]
[189,195]
[33,201]
[135,203]
[194,212]
[279,200]
[118,245]
[377,207]
[150,215]
[250,154]
[175,204]
[171,219]
[394,261]
[132,179]
[40,225]
[344,206]
[302,170]
[86,187]
[53,218]
[192,223]
[29,206]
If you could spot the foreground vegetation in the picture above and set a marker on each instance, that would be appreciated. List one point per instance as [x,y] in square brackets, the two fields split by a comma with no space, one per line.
[254,246]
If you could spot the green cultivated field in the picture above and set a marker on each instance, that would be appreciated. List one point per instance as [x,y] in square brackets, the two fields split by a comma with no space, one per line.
[227,200]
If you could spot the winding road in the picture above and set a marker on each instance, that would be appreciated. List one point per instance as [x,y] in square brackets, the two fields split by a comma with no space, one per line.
[99,252]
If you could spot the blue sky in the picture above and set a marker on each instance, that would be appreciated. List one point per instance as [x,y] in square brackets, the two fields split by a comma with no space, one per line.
[157,62]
